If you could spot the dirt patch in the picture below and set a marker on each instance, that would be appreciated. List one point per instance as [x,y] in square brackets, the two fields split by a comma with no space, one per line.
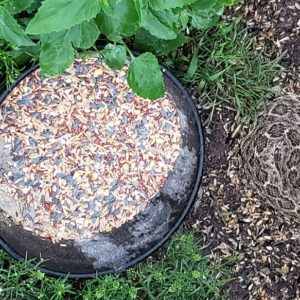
[230,219]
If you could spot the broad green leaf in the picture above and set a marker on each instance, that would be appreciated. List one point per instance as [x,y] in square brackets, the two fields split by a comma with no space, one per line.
[114,56]
[11,31]
[144,41]
[204,4]
[184,18]
[16,6]
[142,9]
[167,4]
[105,3]
[169,18]
[145,77]
[202,21]
[121,19]
[57,15]
[157,28]
[57,53]
[206,18]
[217,10]
[204,14]
[23,54]
[84,35]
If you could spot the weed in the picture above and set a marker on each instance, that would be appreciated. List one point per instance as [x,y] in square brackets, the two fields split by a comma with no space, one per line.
[9,70]
[18,280]
[183,273]
[222,68]
[108,287]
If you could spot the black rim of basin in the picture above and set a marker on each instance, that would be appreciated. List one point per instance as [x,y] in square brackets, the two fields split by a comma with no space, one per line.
[197,182]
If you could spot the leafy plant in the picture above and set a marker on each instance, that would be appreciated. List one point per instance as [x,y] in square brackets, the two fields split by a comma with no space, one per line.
[109,287]
[61,27]
[183,273]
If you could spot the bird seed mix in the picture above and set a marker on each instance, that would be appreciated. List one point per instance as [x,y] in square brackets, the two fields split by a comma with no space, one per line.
[81,153]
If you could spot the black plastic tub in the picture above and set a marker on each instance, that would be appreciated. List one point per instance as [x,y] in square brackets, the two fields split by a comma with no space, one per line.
[134,241]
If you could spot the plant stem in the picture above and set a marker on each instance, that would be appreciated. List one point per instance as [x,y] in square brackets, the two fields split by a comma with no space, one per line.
[128,51]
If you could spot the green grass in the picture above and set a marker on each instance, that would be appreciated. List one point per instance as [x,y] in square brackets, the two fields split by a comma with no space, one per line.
[183,273]
[9,70]
[221,68]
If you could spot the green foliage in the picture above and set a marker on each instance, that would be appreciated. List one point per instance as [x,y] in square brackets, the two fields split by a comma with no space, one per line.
[158,29]
[145,41]
[114,55]
[145,78]
[57,53]
[85,34]
[57,15]
[63,26]
[183,273]
[167,4]
[109,287]
[121,19]
[16,6]
[19,281]
[8,66]
[222,68]
[11,31]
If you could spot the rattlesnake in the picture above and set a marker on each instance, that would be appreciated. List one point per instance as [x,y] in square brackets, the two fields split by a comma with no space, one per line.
[271,155]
